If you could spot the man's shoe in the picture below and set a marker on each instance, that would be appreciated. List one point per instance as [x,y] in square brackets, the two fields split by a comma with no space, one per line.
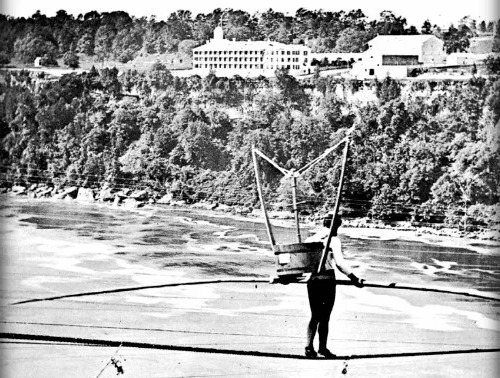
[310,353]
[326,353]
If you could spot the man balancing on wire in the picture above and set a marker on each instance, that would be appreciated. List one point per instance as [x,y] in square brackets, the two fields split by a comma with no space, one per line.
[321,287]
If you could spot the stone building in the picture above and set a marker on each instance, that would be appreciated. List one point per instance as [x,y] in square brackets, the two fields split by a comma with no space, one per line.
[249,58]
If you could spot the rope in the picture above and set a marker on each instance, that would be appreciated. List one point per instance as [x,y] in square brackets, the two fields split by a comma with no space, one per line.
[184,348]
[257,280]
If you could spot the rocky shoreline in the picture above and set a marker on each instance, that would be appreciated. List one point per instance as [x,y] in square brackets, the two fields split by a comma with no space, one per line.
[134,199]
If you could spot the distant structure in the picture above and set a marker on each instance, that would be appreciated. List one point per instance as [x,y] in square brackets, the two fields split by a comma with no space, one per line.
[482,44]
[249,58]
[38,62]
[342,57]
[392,55]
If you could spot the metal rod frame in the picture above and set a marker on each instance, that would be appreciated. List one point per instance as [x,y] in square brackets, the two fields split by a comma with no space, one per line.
[294,174]
[335,209]
[261,197]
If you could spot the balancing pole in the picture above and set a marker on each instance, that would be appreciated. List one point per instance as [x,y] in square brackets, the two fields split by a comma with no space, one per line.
[261,197]
[335,210]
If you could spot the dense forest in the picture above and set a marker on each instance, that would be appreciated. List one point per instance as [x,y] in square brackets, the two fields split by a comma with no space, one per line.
[420,151]
[117,36]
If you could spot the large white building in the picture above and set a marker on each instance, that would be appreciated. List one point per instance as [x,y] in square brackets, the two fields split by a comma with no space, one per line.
[392,55]
[249,58]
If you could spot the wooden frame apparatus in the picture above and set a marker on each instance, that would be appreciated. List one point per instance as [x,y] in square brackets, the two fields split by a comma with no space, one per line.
[294,175]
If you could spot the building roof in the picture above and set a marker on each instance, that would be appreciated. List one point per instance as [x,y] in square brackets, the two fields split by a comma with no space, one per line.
[244,45]
[399,44]
[219,43]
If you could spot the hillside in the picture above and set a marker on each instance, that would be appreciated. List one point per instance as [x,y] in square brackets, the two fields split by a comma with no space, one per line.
[421,152]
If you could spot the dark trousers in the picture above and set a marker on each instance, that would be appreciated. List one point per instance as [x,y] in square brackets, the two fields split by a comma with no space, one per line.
[321,294]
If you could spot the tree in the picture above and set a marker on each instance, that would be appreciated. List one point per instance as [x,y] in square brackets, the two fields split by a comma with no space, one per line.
[496,39]
[387,90]
[4,58]
[104,41]
[352,40]
[33,46]
[85,44]
[159,78]
[48,61]
[466,181]
[71,59]
[389,23]
[186,46]
[482,27]
[426,27]
[457,40]
[291,90]
[492,101]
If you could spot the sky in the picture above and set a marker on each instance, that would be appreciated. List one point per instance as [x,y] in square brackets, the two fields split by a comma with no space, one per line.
[440,12]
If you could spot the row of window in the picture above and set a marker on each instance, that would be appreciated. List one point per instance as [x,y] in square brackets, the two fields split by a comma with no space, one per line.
[288,59]
[230,59]
[247,66]
[236,59]
[287,66]
[293,52]
[247,52]
[225,52]
[251,66]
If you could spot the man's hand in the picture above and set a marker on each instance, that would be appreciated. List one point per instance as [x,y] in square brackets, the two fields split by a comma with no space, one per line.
[356,281]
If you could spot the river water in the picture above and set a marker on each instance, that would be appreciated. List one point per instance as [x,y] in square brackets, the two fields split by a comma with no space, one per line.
[59,247]
[205,244]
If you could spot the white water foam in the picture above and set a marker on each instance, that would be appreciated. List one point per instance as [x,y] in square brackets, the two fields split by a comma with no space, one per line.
[430,317]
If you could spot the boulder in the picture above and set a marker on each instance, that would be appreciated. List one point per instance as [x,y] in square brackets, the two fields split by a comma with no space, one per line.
[33,187]
[224,208]
[139,195]
[166,199]
[85,195]
[106,195]
[257,213]
[70,192]
[117,201]
[122,193]
[44,192]
[180,203]
[18,189]
[204,205]
[242,210]
[281,214]
[132,203]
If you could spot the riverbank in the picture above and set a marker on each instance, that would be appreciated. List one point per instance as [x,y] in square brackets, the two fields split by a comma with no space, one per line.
[358,227]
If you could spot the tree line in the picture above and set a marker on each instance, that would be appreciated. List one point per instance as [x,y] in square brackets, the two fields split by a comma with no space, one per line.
[118,36]
[421,151]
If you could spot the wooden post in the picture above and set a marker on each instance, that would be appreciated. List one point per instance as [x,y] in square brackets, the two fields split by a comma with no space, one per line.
[295,209]
[262,202]
[335,210]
